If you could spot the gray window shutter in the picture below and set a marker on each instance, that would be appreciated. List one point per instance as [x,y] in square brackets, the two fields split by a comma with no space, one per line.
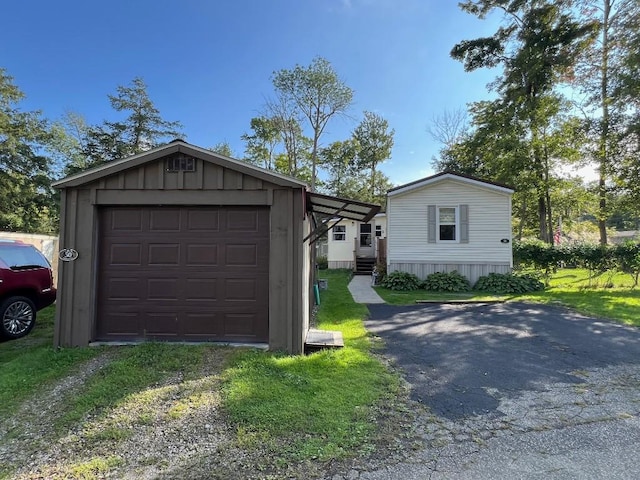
[431,222]
[464,223]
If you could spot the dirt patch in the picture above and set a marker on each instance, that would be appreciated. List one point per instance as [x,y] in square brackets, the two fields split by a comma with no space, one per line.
[176,429]
[29,430]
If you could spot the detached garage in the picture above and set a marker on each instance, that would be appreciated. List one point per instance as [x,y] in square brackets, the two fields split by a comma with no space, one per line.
[183,244]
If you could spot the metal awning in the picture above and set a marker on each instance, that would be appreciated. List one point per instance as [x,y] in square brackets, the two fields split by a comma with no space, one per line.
[336,207]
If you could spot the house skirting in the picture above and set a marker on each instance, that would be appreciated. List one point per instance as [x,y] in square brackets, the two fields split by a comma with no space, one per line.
[473,271]
[340,264]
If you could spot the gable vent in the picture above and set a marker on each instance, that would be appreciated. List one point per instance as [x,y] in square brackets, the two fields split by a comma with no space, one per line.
[181,163]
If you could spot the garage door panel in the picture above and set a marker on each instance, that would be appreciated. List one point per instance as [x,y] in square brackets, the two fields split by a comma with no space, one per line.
[162,324]
[163,289]
[202,254]
[121,324]
[241,290]
[125,254]
[201,289]
[240,325]
[165,220]
[203,221]
[184,273]
[242,255]
[118,289]
[242,221]
[209,325]
[164,254]
[125,220]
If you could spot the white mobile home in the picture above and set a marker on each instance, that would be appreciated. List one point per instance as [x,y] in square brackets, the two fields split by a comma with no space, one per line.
[449,222]
[350,240]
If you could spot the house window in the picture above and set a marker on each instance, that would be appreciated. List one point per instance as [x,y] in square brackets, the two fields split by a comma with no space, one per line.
[447,224]
[181,163]
[378,230]
[339,233]
[365,234]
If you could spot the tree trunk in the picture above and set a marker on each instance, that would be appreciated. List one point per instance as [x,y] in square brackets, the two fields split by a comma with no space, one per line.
[604,130]
[542,218]
[314,159]
[523,212]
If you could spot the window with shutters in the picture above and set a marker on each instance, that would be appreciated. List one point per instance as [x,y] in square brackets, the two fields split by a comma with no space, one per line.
[447,224]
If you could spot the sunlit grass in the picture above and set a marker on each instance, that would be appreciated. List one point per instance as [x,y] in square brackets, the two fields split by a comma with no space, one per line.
[393,297]
[320,402]
[133,370]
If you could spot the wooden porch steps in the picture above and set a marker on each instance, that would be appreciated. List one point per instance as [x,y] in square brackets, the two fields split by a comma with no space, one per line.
[364,265]
[319,339]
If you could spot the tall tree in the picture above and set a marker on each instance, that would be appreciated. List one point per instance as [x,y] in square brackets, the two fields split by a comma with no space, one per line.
[143,127]
[25,188]
[339,159]
[598,76]
[261,144]
[375,142]
[628,94]
[536,47]
[318,94]
[70,137]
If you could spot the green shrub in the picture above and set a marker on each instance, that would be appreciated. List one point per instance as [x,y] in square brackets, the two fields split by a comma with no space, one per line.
[508,283]
[628,255]
[322,263]
[401,281]
[446,282]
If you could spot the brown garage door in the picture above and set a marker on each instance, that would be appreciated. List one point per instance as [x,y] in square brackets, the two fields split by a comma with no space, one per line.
[184,273]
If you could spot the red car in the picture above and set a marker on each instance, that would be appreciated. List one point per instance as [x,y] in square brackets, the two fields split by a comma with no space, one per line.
[26,286]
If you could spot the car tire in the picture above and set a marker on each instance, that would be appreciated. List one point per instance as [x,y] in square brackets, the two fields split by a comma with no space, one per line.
[17,317]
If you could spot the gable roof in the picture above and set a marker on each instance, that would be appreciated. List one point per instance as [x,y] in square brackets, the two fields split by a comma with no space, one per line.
[177,146]
[442,176]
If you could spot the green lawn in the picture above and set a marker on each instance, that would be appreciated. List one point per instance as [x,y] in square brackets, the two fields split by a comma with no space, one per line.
[321,403]
[408,298]
[607,295]
[28,363]
[292,408]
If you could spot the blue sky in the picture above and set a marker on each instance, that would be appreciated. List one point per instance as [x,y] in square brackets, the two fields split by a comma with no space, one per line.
[208,63]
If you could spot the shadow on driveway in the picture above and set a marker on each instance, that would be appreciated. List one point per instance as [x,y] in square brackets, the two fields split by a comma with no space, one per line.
[462,359]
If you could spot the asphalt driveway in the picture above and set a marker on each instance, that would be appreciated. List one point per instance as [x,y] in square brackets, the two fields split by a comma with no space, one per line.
[515,390]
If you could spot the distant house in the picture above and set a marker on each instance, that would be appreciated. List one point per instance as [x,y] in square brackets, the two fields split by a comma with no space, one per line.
[449,222]
[621,236]
[350,242]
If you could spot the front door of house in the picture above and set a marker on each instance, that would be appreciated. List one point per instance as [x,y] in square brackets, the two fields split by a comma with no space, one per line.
[365,241]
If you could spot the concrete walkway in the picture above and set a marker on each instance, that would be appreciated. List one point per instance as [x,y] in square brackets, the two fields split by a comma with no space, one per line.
[361,291]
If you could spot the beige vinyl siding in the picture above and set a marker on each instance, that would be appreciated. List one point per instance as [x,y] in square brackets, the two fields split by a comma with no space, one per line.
[489,223]
[340,253]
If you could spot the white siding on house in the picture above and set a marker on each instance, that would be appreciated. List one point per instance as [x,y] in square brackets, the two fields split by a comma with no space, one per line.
[340,253]
[342,250]
[408,248]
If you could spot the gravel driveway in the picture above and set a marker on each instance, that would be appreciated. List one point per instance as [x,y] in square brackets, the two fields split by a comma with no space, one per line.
[515,390]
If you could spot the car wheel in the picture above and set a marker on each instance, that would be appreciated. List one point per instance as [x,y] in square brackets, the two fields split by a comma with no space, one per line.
[17,317]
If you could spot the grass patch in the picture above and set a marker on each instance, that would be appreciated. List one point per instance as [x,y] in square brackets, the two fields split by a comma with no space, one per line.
[582,279]
[321,404]
[606,295]
[133,371]
[409,298]
[95,468]
[28,363]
